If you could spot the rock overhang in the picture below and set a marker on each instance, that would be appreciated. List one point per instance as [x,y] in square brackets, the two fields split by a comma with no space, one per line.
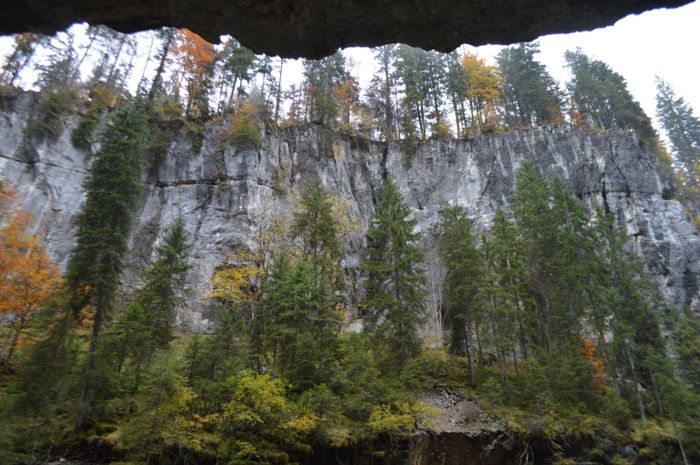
[313,28]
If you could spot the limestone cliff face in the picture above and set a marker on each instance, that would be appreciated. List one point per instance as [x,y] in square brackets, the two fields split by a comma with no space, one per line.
[229,196]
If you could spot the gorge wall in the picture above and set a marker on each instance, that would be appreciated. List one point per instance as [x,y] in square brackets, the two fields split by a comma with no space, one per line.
[231,196]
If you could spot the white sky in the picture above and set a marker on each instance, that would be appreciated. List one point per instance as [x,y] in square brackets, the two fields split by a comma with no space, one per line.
[659,42]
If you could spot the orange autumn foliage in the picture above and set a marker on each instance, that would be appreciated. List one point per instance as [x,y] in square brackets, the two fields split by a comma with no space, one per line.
[27,274]
[348,96]
[588,350]
[195,53]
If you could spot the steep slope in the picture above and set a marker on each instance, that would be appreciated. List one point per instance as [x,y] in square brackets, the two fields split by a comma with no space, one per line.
[229,196]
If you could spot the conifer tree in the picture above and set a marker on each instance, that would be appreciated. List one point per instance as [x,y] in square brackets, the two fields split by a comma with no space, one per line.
[394,282]
[384,81]
[683,129]
[601,97]
[321,78]
[103,226]
[146,325]
[461,258]
[317,228]
[509,265]
[530,94]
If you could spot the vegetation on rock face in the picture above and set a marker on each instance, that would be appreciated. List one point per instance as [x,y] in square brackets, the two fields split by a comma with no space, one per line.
[549,317]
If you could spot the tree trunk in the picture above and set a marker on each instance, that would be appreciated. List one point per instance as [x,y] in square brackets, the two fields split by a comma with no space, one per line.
[157,80]
[279,93]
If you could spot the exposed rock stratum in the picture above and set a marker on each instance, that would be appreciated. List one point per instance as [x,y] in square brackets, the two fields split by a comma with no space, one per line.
[228,195]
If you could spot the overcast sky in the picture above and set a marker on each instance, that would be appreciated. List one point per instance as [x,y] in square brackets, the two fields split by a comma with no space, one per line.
[659,42]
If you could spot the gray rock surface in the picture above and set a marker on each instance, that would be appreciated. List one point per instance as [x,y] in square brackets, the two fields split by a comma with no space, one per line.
[230,197]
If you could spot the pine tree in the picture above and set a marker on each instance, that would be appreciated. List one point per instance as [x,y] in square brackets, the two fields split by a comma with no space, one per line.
[163,284]
[683,129]
[515,294]
[394,282]
[384,82]
[103,225]
[146,326]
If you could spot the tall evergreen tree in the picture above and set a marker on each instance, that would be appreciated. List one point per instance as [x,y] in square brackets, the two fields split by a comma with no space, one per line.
[321,79]
[384,82]
[461,258]
[146,325]
[394,283]
[602,98]
[112,191]
[317,227]
[530,94]
[683,129]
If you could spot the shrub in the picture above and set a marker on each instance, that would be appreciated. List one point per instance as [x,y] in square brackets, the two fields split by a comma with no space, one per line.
[440,130]
[245,126]
[49,124]
[101,99]
[434,367]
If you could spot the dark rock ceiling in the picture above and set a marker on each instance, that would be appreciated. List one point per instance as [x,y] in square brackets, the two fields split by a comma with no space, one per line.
[314,28]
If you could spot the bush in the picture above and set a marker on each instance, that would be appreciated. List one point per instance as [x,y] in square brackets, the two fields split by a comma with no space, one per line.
[434,368]
[82,136]
[245,126]
[167,109]
[49,122]
[440,130]
[101,99]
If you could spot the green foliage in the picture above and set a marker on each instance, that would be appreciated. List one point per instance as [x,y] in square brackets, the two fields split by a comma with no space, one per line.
[195,130]
[83,135]
[49,120]
[457,248]
[245,126]
[317,228]
[392,262]
[104,222]
[683,129]
[530,96]
[602,97]
[686,339]
[112,191]
[434,369]
[303,324]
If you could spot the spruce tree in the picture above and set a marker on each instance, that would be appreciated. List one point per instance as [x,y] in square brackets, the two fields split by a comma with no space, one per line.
[103,225]
[146,325]
[302,323]
[508,264]
[603,99]
[530,94]
[317,228]
[163,284]
[457,247]
[683,129]
[394,282]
